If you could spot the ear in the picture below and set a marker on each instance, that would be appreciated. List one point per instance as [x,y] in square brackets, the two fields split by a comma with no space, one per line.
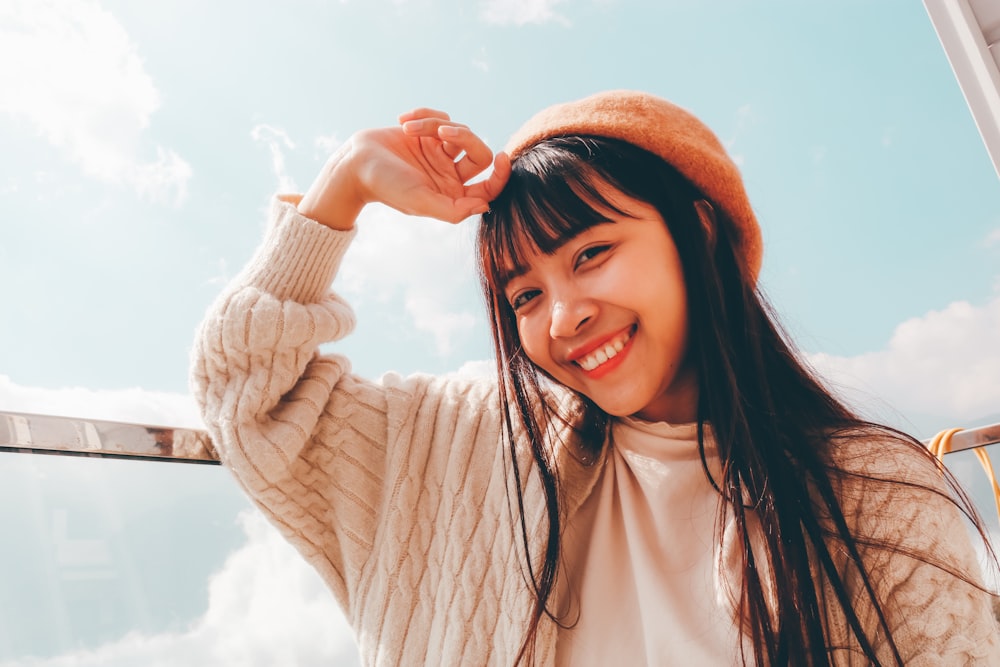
[707,216]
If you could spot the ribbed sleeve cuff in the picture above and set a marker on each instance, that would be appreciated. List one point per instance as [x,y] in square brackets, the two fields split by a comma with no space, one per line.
[298,257]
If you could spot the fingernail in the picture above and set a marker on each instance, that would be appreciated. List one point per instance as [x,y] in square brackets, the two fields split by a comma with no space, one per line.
[448,131]
[413,126]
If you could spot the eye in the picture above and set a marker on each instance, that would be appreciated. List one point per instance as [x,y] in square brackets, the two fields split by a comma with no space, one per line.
[522,299]
[588,254]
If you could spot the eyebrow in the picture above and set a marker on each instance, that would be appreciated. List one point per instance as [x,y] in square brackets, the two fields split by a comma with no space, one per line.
[507,275]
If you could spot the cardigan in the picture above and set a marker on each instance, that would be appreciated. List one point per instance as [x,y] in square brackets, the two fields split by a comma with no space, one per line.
[399,492]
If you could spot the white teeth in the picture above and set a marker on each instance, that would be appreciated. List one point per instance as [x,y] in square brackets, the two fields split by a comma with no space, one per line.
[601,355]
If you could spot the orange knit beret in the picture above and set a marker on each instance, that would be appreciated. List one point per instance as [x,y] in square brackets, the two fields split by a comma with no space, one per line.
[666,130]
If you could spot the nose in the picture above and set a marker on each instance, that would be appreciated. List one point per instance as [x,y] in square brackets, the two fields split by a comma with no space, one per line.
[570,312]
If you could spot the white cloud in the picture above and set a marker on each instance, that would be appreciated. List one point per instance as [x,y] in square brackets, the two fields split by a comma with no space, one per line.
[12,185]
[326,145]
[265,607]
[887,136]
[163,181]
[992,239]
[481,61]
[478,369]
[945,363]
[522,12]
[431,315]
[222,274]
[421,260]
[126,405]
[69,69]
[277,140]
[744,117]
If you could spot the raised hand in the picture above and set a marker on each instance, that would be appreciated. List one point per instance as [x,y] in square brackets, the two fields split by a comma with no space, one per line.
[422,167]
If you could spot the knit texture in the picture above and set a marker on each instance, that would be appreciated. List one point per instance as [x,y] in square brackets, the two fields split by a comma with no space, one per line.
[664,129]
[397,491]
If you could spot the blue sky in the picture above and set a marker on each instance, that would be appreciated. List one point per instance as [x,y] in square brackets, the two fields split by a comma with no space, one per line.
[140,144]
[138,160]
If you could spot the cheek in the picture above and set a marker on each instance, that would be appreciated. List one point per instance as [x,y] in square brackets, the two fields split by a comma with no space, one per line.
[661,302]
[534,341]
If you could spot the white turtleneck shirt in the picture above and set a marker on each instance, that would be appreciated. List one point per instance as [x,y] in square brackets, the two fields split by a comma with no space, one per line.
[643,557]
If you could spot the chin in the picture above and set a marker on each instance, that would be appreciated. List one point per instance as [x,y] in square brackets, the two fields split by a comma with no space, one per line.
[618,409]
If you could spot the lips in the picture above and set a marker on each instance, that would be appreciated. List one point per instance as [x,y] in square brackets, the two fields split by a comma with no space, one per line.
[598,359]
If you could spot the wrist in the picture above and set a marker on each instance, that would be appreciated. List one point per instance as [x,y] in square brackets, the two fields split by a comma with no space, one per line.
[334,199]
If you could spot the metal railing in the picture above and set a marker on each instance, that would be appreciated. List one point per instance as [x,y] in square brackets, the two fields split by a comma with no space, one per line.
[70,436]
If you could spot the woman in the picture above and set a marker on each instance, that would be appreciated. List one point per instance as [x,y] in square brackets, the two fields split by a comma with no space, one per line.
[655,478]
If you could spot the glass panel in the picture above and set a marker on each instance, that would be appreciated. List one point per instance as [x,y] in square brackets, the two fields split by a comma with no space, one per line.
[117,562]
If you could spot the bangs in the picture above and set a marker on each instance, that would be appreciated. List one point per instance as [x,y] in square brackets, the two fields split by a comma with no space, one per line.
[552,196]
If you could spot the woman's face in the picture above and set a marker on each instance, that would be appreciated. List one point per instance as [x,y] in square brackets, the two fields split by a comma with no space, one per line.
[606,315]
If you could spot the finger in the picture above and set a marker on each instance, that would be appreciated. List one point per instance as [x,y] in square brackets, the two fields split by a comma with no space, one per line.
[440,167]
[472,164]
[422,112]
[469,206]
[427,127]
[454,151]
[478,156]
[490,188]
[442,207]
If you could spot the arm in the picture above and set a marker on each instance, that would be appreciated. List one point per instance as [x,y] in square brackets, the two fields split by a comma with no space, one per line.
[419,168]
[928,582]
[304,437]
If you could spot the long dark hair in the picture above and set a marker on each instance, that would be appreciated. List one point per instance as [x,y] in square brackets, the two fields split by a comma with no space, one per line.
[773,422]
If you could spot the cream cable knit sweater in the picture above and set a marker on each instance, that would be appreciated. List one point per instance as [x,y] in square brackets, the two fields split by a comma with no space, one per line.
[397,491]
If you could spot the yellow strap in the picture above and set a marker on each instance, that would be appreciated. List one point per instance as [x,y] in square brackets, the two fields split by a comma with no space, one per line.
[941,445]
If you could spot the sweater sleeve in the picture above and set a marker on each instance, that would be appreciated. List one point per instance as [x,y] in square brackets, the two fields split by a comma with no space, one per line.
[306,439]
[900,498]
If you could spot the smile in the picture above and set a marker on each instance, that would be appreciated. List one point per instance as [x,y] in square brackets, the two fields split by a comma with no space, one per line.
[606,352]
